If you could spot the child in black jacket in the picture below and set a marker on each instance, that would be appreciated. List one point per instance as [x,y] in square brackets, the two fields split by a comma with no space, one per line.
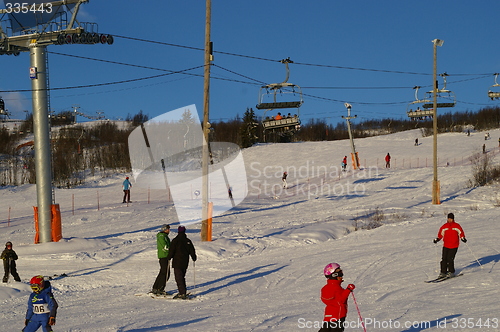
[9,258]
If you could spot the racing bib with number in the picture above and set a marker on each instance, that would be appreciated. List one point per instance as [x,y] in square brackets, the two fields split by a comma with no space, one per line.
[40,308]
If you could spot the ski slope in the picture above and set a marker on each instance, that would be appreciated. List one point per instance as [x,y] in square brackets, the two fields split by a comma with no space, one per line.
[263,269]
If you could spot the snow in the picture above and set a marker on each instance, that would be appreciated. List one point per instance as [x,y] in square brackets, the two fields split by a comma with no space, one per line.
[263,269]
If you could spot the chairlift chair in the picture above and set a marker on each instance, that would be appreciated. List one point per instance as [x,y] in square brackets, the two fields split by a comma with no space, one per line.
[4,114]
[494,94]
[445,98]
[280,96]
[418,114]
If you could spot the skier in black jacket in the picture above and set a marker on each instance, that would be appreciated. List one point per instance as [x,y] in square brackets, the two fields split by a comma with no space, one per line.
[180,249]
[9,258]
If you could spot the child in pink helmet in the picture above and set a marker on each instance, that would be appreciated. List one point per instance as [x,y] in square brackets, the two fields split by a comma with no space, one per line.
[335,298]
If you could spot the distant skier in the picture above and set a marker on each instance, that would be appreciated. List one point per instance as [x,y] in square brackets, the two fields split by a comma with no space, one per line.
[451,232]
[344,163]
[9,258]
[283,179]
[180,249]
[230,192]
[126,190]
[42,307]
[162,246]
[335,298]
[388,161]
[416,141]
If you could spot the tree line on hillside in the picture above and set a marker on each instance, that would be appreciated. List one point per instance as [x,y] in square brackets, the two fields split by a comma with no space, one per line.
[247,131]
[79,151]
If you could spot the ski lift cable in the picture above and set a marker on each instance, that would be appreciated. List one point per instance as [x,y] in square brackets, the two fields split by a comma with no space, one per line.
[297,63]
[104,84]
[327,99]
[346,88]
[233,72]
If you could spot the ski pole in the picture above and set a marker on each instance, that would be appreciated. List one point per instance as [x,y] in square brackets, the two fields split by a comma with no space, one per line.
[359,313]
[437,258]
[473,255]
[194,276]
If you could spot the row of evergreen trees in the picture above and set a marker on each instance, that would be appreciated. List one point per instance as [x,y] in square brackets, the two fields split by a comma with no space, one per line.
[77,151]
[247,131]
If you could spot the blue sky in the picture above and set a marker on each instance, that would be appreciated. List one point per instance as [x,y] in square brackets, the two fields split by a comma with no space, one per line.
[368,53]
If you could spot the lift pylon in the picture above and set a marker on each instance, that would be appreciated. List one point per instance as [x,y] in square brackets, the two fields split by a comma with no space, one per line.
[33,26]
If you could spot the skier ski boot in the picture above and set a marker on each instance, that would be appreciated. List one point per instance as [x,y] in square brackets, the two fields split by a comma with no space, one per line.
[181,296]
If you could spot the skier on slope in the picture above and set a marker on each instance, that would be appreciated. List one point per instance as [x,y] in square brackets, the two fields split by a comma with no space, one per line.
[181,248]
[335,298]
[162,245]
[42,307]
[344,163]
[126,190]
[9,258]
[451,232]
[388,160]
[283,178]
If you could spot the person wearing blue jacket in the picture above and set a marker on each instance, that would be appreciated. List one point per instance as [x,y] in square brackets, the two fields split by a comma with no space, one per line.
[42,307]
[126,190]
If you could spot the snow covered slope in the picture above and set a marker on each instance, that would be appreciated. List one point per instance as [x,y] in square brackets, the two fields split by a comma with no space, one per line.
[263,270]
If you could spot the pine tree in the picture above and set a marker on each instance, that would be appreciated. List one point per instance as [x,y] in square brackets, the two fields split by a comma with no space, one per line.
[248,129]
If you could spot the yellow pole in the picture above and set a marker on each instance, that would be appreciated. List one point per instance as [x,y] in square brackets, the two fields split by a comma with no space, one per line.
[206,124]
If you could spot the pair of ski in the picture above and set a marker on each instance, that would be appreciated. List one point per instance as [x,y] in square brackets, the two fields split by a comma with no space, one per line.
[189,296]
[433,281]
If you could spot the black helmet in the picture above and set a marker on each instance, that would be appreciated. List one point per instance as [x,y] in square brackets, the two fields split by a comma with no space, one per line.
[8,244]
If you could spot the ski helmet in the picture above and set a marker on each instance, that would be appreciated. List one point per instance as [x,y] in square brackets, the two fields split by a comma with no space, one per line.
[165,227]
[8,244]
[37,283]
[330,268]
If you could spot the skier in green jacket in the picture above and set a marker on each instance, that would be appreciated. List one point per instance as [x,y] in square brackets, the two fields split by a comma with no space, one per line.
[163,245]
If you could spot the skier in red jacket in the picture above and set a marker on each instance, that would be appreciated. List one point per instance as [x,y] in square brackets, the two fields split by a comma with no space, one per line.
[335,298]
[388,160]
[450,233]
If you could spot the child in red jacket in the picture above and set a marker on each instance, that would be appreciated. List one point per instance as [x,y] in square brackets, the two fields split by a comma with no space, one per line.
[335,298]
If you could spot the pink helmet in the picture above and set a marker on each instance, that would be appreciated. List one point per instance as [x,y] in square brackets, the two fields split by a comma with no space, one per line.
[330,268]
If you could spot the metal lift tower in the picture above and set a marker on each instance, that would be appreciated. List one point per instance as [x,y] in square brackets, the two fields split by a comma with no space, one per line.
[354,154]
[30,27]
